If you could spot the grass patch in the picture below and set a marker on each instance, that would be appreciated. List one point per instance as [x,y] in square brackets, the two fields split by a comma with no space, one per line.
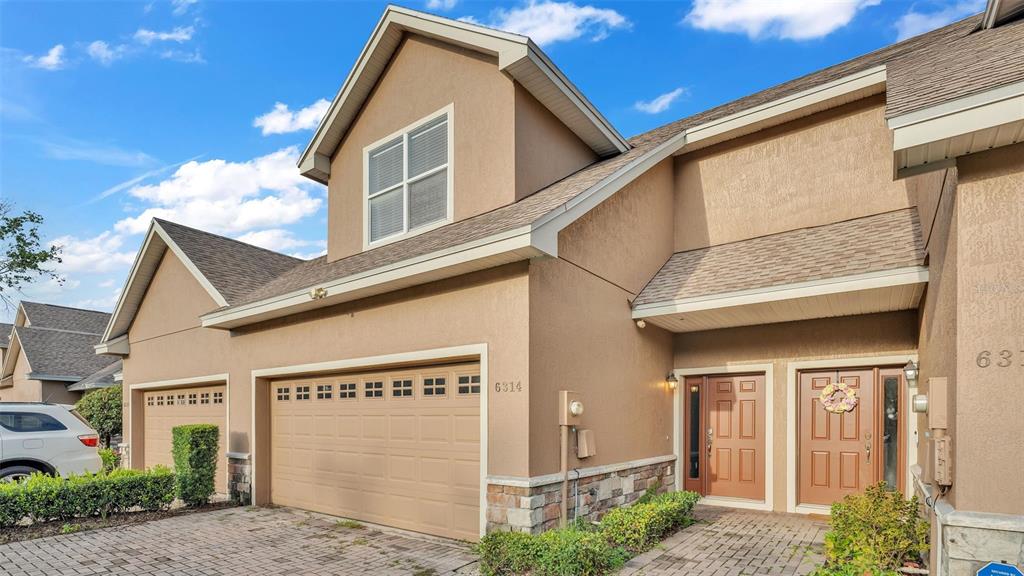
[349,524]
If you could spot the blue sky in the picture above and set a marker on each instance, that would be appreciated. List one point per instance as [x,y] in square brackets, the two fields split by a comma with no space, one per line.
[195,111]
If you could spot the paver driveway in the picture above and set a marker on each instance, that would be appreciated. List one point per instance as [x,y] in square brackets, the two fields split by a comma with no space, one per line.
[736,542]
[238,541]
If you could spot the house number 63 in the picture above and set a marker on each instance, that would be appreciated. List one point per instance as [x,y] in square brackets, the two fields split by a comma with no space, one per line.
[1000,358]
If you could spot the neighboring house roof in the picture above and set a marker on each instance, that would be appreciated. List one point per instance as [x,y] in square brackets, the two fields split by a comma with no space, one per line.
[234,268]
[64,318]
[875,243]
[5,335]
[103,378]
[961,64]
[60,354]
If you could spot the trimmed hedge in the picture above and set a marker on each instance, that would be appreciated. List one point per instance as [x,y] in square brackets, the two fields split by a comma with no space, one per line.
[579,551]
[43,498]
[194,447]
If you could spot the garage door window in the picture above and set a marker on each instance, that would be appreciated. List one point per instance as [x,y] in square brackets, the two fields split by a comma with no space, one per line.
[373,389]
[218,397]
[469,384]
[192,399]
[401,388]
[159,400]
[347,391]
[181,399]
[324,391]
[283,394]
[204,398]
[434,386]
[150,401]
[302,392]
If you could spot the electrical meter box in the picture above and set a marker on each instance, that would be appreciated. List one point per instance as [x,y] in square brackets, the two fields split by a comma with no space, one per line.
[570,408]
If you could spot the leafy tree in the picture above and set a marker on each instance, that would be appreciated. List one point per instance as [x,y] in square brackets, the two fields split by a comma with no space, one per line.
[102,409]
[23,258]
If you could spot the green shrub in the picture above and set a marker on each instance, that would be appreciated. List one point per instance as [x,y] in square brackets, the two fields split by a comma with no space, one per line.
[194,447]
[580,549]
[874,533]
[111,459]
[43,498]
[639,527]
[574,552]
[102,409]
[507,553]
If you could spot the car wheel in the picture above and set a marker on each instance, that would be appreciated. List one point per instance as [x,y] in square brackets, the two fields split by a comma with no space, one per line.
[16,473]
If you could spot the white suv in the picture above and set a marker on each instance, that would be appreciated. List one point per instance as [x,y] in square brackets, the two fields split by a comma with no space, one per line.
[48,438]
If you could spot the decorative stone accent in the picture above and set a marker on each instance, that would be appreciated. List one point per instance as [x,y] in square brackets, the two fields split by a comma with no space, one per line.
[536,509]
[240,480]
[967,549]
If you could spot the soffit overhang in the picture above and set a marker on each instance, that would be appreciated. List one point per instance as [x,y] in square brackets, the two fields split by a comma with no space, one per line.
[517,56]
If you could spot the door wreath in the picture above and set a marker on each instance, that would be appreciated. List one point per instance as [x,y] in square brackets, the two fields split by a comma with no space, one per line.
[838,398]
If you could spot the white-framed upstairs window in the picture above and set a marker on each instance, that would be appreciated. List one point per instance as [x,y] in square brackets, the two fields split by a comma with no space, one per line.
[408,180]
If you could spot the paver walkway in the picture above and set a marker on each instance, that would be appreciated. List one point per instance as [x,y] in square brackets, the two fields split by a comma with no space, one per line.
[732,542]
[238,541]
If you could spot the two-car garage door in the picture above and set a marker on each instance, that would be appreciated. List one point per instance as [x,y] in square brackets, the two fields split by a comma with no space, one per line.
[168,408]
[398,447]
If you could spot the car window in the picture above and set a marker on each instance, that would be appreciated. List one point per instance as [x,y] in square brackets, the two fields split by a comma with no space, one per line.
[29,422]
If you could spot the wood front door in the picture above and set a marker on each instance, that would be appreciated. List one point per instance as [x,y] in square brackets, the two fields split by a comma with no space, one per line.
[838,452]
[734,433]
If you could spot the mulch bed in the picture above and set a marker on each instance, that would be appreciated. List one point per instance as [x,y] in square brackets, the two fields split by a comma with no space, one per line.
[75,525]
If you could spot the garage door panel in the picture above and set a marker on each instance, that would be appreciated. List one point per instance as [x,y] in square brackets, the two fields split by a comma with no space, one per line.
[409,460]
[165,409]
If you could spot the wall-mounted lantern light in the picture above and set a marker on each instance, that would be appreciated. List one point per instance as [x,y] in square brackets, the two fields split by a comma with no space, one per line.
[910,371]
[672,381]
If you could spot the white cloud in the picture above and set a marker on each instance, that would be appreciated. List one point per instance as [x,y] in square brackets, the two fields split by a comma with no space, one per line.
[660,103]
[99,254]
[281,240]
[441,4]
[71,149]
[103,53]
[179,34]
[180,7]
[547,22]
[228,197]
[52,60]
[281,120]
[193,57]
[913,22]
[786,19]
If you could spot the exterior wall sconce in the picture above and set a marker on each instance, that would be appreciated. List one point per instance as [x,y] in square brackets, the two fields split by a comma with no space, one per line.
[910,371]
[672,381]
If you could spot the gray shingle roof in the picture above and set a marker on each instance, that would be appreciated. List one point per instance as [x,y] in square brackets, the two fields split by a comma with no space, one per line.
[870,244]
[964,61]
[65,318]
[234,268]
[5,334]
[102,378]
[251,282]
[60,352]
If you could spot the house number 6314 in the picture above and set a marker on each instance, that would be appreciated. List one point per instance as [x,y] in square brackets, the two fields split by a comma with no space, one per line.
[998,358]
[516,386]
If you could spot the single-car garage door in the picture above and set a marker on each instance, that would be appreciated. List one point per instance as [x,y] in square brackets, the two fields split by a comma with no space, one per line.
[166,409]
[399,448]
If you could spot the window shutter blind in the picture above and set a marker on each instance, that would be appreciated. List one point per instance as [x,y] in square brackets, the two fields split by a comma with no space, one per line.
[386,214]
[385,168]
[428,146]
[428,199]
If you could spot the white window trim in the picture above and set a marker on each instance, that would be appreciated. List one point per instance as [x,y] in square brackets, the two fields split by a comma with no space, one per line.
[404,134]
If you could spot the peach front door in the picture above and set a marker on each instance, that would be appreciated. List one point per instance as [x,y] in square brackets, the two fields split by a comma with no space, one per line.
[734,436]
[836,450]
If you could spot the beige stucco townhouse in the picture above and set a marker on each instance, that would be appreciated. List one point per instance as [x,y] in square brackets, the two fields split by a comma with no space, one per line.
[493,241]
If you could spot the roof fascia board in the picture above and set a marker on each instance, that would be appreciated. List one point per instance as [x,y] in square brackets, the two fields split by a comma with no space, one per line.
[118,308]
[854,283]
[55,377]
[740,123]
[116,347]
[515,242]
[964,115]
[13,352]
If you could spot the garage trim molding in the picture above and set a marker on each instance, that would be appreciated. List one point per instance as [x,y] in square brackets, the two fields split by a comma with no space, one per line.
[183,383]
[478,350]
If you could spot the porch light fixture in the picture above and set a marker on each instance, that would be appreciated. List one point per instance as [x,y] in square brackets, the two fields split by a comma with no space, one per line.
[910,371]
[672,381]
